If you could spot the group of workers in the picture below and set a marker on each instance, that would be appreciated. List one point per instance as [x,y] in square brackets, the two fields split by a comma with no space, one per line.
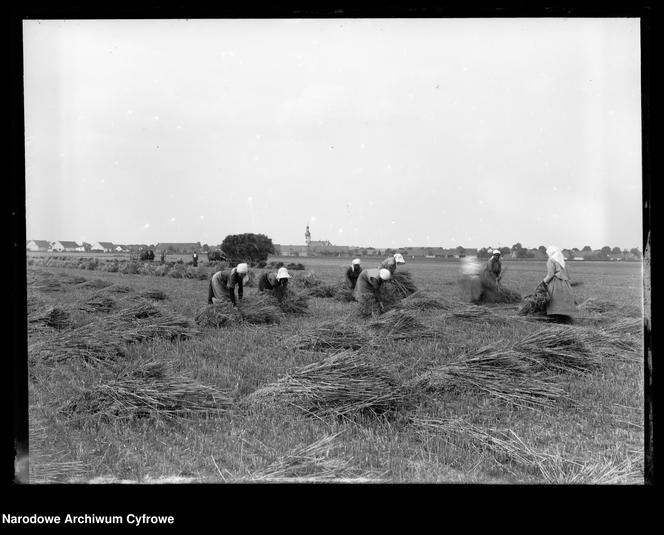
[367,282]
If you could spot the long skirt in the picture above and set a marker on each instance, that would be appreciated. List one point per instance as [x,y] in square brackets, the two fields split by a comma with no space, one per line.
[562,298]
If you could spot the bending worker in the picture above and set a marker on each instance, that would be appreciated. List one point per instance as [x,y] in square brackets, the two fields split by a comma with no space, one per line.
[276,283]
[369,283]
[391,263]
[352,273]
[488,283]
[223,283]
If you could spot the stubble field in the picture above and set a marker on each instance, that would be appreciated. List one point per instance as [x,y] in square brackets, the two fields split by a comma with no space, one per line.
[589,431]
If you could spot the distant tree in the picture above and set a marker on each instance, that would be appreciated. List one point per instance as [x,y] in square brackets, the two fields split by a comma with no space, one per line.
[505,251]
[542,248]
[636,252]
[615,250]
[524,253]
[517,246]
[205,248]
[586,248]
[606,250]
[460,249]
[483,253]
[575,249]
[247,247]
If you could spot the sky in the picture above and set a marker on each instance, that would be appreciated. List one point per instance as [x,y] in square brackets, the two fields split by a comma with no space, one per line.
[374,132]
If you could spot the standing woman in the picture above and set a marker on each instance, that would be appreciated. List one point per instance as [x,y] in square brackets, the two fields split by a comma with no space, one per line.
[562,303]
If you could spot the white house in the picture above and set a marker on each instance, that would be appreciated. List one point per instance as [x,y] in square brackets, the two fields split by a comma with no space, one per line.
[120,249]
[67,246]
[37,245]
[103,247]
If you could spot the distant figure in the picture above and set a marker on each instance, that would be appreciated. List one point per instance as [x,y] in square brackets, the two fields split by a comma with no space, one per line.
[195,258]
[368,285]
[150,255]
[352,273]
[561,304]
[391,263]
[163,256]
[277,283]
[223,283]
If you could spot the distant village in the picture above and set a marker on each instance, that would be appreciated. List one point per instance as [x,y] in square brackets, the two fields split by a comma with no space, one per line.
[324,248]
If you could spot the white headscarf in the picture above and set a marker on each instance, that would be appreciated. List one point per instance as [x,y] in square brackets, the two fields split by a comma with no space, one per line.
[555,254]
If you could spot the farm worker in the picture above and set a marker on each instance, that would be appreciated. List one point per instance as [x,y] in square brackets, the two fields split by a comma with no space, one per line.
[222,284]
[561,303]
[391,263]
[369,283]
[163,256]
[489,279]
[195,258]
[352,273]
[275,282]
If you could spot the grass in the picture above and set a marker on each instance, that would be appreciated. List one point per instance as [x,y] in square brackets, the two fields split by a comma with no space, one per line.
[588,434]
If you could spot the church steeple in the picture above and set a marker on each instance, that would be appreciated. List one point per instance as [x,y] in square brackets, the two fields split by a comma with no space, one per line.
[307,236]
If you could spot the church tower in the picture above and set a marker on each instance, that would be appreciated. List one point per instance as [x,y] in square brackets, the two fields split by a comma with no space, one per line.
[307,236]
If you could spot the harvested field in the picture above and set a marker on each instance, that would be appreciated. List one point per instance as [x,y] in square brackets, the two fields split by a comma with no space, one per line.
[534,402]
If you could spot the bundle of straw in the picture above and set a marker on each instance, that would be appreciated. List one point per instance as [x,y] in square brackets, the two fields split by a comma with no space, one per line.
[48,285]
[323,290]
[535,303]
[84,343]
[403,283]
[97,303]
[137,310]
[157,295]
[333,335]
[560,349]
[311,463]
[421,301]
[71,279]
[307,280]
[259,309]
[118,288]
[341,384]
[156,393]
[401,325]
[216,315]
[476,312]
[95,283]
[292,303]
[503,374]
[55,316]
[344,294]
[164,325]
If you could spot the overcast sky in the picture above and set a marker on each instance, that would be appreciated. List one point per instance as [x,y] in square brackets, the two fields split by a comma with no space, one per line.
[375,132]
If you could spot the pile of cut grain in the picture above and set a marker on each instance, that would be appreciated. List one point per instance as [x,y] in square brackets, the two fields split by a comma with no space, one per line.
[535,303]
[339,385]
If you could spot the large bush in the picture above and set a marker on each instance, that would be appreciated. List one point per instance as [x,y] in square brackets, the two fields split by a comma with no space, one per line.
[247,247]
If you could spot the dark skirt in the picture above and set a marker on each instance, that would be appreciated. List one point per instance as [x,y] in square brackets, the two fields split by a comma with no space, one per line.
[562,299]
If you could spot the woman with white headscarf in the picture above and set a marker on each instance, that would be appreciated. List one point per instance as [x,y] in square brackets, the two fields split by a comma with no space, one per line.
[352,273]
[223,283]
[561,301]
[391,263]
[277,283]
[367,289]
